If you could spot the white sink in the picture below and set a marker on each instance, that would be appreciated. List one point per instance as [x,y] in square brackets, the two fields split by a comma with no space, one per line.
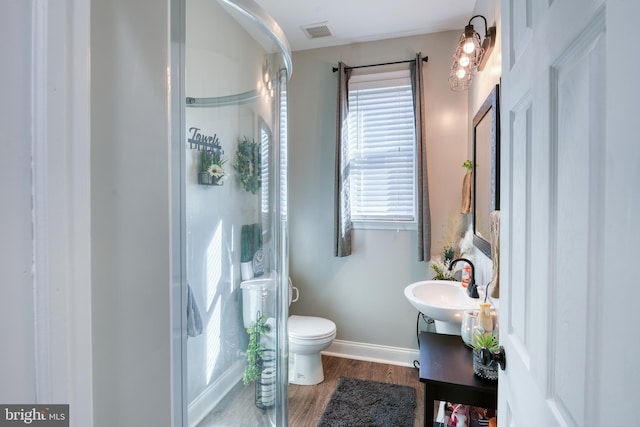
[441,300]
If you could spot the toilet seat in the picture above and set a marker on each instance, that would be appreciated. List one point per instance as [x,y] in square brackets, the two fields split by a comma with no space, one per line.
[310,328]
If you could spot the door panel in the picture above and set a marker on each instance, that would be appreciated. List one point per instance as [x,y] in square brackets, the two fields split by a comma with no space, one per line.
[577,96]
[558,222]
[520,204]
[521,18]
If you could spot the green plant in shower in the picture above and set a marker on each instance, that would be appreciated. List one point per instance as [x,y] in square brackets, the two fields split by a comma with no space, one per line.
[248,164]
[211,162]
[255,350]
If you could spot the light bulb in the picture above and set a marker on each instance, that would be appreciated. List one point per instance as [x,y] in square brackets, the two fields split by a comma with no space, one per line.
[464,61]
[469,46]
[460,73]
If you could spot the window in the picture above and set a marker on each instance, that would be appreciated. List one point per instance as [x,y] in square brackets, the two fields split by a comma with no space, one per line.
[267,144]
[382,149]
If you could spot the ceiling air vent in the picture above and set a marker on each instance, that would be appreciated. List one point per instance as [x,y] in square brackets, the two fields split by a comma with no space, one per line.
[316,31]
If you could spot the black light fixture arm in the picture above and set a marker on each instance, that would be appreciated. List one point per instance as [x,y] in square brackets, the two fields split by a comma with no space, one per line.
[486,28]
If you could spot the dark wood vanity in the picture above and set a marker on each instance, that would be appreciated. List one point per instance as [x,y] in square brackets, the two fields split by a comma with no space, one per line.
[446,369]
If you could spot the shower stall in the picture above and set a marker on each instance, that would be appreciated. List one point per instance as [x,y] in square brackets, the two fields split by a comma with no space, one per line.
[234,213]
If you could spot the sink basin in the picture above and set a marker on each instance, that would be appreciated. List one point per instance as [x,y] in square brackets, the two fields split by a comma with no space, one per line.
[441,300]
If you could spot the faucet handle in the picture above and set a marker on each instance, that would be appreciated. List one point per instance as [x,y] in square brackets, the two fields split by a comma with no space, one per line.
[472,290]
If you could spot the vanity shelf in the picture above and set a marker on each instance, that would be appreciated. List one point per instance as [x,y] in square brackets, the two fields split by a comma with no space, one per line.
[446,369]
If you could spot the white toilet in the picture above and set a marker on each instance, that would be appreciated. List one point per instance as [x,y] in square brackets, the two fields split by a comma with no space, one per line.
[308,336]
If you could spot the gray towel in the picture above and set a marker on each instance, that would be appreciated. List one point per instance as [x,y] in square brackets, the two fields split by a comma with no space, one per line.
[194,320]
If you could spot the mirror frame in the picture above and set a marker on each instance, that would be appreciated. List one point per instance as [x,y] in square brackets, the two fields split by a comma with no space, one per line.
[491,105]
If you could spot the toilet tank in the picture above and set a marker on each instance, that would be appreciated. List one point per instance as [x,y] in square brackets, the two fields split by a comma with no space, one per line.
[258,296]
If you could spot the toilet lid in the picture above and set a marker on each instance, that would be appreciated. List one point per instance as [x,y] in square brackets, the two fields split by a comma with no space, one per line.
[307,327]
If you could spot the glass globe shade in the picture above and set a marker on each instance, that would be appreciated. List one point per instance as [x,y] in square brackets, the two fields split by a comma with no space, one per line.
[469,46]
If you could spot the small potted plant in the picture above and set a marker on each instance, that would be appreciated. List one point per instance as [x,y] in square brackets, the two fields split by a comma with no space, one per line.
[484,345]
[260,365]
[255,350]
[210,169]
[441,267]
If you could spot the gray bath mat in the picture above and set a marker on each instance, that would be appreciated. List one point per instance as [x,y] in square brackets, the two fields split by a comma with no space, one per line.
[364,403]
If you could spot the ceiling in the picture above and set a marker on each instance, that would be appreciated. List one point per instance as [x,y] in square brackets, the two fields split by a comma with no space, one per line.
[353,21]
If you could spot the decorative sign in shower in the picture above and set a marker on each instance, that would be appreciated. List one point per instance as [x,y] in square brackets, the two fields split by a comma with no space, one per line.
[210,168]
[200,141]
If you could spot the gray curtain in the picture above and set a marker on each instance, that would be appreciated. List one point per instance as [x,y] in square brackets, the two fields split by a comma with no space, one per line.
[424,213]
[343,227]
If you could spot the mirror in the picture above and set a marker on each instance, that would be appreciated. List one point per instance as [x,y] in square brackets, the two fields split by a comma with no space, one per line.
[486,169]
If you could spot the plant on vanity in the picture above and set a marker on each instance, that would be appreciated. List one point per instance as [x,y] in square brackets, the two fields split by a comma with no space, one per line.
[255,350]
[488,341]
[441,266]
[484,366]
[453,232]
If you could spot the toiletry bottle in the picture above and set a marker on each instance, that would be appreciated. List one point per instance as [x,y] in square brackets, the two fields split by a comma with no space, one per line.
[484,322]
[466,276]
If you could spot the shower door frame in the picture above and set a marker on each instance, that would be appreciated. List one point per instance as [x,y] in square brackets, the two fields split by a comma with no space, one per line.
[178,294]
[178,202]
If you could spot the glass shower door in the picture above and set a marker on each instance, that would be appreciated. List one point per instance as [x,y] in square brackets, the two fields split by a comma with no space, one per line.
[237,66]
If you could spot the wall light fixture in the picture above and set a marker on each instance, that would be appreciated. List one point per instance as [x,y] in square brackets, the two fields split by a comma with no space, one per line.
[267,82]
[471,54]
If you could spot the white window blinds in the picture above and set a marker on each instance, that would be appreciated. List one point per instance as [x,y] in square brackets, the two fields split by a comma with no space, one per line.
[265,140]
[266,145]
[382,147]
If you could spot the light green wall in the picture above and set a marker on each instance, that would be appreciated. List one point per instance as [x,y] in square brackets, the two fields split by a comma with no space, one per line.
[363,293]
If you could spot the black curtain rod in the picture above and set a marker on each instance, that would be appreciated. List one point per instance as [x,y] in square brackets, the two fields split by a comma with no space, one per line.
[425,59]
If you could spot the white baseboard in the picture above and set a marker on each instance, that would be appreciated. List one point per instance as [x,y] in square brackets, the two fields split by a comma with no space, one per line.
[214,393]
[372,353]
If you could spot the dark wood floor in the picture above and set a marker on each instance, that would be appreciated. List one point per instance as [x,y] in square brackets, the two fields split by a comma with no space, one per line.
[307,403]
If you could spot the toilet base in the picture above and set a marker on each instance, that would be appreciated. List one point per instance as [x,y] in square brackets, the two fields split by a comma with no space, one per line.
[305,369]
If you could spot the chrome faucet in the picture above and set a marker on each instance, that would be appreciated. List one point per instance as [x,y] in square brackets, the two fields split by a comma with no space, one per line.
[472,289]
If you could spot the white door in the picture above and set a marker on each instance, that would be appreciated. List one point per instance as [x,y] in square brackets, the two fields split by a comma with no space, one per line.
[570,199]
